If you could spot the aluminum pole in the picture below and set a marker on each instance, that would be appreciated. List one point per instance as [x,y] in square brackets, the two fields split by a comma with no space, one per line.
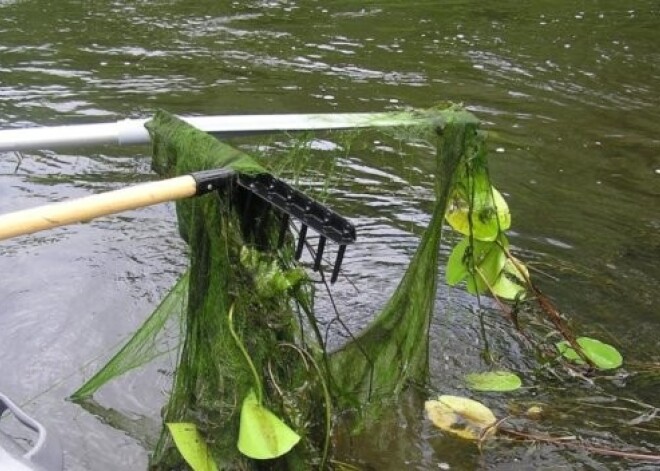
[132,131]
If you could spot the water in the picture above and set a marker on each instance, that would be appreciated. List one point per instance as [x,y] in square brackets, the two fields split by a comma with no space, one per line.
[569,91]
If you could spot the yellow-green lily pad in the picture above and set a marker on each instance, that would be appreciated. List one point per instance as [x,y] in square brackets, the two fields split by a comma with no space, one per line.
[604,356]
[511,282]
[461,416]
[192,446]
[487,267]
[262,435]
[488,258]
[497,381]
[490,214]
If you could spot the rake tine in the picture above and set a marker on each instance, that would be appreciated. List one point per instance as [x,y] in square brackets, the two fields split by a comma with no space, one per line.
[301,242]
[319,253]
[284,226]
[311,214]
[338,260]
[248,203]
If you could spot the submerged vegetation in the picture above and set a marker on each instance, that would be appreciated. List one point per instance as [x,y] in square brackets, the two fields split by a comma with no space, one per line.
[256,381]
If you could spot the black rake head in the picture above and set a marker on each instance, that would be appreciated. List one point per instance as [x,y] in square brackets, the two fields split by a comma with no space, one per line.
[291,203]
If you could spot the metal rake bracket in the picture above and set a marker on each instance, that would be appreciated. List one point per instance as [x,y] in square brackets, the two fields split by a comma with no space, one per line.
[293,204]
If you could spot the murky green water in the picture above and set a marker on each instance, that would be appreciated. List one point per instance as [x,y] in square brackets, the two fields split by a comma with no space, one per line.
[570,91]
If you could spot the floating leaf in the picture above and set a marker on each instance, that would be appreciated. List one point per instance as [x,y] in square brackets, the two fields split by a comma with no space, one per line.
[603,355]
[511,282]
[487,268]
[493,381]
[490,213]
[461,416]
[506,288]
[516,269]
[457,269]
[192,447]
[262,435]
[485,257]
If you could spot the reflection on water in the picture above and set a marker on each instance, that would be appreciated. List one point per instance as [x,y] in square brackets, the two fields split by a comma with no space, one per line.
[568,92]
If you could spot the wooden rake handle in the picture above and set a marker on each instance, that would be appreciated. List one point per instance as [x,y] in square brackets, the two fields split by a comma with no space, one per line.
[33,220]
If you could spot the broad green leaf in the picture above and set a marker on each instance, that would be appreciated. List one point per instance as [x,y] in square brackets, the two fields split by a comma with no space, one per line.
[499,381]
[461,416]
[603,355]
[490,213]
[516,269]
[487,256]
[506,288]
[488,262]
[262,435]
[457,269]
[487,267]
[192,447]
[512,282]
[490,267]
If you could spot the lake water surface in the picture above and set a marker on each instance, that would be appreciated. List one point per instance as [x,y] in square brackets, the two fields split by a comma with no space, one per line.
[570,92]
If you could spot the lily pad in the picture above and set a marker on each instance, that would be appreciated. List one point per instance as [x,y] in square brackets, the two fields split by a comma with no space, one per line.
[512,281]
[192,446]
[499,381]
[262,435]
[457,268]
[490,214]
[487,268]
[603,355]
[486,257]
[516,269]
[461,416]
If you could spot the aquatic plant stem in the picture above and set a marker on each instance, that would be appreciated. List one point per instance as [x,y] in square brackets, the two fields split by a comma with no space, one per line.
[246,355]
[327,398]
[576,443]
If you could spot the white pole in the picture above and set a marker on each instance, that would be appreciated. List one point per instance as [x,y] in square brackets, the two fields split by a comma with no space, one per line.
[132,131]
